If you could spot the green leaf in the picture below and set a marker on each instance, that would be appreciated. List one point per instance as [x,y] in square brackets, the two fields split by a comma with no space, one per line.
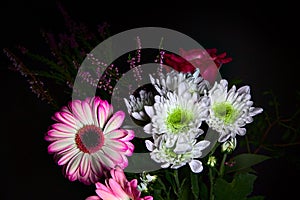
[238,189]
[203,190]
[195,185]
[244,161]
[184,191]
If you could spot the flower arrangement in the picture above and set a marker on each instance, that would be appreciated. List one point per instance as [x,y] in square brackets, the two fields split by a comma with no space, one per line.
[89,142]
[192,121]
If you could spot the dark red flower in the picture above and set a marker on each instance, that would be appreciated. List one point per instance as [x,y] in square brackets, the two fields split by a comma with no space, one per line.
[197,58]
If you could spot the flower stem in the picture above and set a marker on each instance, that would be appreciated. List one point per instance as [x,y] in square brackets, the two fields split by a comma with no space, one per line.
[221,171]
[211,192]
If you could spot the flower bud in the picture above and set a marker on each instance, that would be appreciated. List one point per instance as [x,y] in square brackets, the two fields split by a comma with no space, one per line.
[212,161]
[228,146]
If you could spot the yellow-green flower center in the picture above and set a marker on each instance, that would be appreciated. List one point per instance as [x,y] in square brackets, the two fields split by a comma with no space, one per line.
[178,120]
[225,111]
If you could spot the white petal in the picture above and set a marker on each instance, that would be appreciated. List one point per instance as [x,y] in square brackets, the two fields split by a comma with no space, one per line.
[223,137]
[149,145]
[149,110]
[148,128]
[255,111]
[202,144]
[137,116]
[244,89]
[182,148]
[196,166]
[241,131]
[165,165]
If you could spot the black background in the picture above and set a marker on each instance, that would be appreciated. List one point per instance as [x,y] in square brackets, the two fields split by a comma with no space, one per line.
[262,39]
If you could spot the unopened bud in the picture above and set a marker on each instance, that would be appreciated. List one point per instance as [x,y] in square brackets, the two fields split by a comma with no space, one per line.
[212,161]
[229,145]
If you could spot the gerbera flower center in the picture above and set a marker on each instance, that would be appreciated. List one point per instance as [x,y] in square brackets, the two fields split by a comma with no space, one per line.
[178,120]
[89,139]
[225,111]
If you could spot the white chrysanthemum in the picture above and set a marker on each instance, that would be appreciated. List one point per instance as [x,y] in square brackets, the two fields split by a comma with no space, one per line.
[173,79]
[135,105]
[230,110]
[170,157]
[177,115]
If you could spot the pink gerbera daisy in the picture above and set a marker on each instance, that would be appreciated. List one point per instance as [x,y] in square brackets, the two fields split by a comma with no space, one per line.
[87,139]
[118,188]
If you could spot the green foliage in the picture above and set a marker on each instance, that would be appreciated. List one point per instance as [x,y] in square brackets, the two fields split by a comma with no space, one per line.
[245,161]
[240,187]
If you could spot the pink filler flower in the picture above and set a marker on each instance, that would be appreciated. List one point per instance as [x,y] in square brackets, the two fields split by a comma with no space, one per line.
[87,139]
[118,188]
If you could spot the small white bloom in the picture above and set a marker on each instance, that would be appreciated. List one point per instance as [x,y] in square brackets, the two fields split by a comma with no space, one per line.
[230,110]
[142,187]
[135,105]
[194,82]
[169,157]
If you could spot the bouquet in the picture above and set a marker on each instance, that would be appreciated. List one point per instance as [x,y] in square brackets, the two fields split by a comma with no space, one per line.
[139,131]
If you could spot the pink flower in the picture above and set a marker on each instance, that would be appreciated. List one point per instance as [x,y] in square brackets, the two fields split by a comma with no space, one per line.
[188,60]
[118,188]
[87,139]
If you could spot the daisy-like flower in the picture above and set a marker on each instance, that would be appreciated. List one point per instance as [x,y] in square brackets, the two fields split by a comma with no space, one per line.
[230,110]
[135,105]
[183,152]
[177,115]
[87,139]
[170,83]
[118,188]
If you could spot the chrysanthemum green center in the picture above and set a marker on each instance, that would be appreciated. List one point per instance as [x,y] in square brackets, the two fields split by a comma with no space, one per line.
[225,111]
[178,120]
[89,139]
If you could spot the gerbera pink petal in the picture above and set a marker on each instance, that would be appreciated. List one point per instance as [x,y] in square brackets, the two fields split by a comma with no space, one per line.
[86,108]
[59,134]
[60,145]
[114,122]
[73,176]
[130,149]
[95,105]
[117,189]
[129,136]
[66,128]
[147,198]
[76,109]
[113,155]
[61,117]
[68,156]
[84,164]
[119,176]
[104,159]
[73,164]
[102,115]
[96,165]
[104,195]
[117,145]
[93,198]
[116,134]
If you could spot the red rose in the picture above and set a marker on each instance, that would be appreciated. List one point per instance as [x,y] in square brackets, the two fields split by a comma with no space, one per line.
[188,60]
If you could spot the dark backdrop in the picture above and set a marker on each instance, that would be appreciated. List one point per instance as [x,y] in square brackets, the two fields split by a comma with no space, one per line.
[262,39]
